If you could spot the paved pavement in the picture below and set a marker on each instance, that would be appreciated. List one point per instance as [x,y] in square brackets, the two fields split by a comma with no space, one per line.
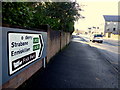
[77,66]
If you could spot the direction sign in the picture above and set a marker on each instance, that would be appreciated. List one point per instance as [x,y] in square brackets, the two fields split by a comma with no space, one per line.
[24,48]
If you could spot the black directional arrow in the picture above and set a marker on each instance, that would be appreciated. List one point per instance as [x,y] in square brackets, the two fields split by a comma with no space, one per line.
[42,45]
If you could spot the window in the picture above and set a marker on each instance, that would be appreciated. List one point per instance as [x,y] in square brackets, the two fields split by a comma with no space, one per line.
[98,35]
[114,29]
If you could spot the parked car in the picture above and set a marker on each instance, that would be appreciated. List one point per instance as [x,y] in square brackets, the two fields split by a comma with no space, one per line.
[97,38]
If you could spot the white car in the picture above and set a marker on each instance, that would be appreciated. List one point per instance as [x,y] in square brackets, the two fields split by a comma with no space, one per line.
[97,38]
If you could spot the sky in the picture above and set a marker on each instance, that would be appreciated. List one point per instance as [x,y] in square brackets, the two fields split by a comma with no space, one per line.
[94,11]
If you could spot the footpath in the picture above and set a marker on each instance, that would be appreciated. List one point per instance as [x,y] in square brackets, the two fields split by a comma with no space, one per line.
[77,66]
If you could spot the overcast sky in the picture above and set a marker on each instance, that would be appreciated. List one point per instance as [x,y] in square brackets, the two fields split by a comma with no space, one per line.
[94,11]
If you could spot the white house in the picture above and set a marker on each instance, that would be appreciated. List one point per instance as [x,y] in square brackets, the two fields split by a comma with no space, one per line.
[112,25]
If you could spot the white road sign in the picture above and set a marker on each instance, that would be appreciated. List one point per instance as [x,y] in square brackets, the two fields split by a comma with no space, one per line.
[24,48]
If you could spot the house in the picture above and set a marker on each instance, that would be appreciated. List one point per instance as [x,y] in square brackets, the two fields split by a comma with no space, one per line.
[112,25]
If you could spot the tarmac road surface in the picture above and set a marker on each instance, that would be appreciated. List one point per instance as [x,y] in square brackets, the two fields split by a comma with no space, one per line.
[78,66]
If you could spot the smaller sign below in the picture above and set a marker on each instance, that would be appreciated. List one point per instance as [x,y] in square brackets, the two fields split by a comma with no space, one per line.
[21,61]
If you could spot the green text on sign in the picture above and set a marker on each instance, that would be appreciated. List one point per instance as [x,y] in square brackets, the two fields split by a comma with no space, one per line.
[36,47]
[36,40]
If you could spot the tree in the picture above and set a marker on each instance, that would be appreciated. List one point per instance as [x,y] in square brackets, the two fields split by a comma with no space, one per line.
[66,12]
[59,15]
[17,13]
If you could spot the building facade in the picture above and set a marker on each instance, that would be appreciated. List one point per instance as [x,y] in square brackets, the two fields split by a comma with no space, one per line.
[112,25]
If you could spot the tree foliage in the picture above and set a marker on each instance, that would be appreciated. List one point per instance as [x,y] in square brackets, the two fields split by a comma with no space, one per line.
[17,13]
[59,15]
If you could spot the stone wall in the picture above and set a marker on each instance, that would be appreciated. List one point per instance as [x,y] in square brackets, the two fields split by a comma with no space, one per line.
[112,36]
[56,41]
[23,76]
[53,43]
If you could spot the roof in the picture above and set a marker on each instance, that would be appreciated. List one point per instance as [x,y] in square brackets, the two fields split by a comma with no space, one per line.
[113,18]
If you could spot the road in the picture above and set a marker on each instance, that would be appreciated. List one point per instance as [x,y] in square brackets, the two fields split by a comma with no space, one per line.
[109,48]
[78,66]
